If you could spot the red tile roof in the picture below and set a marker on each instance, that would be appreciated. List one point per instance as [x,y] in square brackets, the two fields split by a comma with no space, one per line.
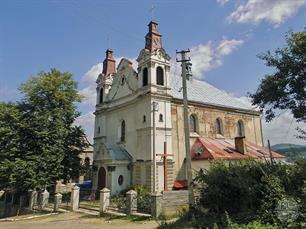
[206,148]
[180,184]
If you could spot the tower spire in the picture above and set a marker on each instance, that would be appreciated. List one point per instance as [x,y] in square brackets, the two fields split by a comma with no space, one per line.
[153,37]
[109,63]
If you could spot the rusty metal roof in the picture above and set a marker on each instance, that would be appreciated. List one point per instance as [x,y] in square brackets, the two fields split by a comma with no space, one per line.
[206,148]
[202,92]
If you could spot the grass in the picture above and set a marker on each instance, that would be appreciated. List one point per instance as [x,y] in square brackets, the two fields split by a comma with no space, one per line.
[88,204]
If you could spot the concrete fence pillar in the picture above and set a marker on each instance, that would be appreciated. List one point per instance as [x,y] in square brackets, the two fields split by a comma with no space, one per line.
[131,197]
[57,201]
[32,199]
[44,199]
[156,202]
[75,198]
[1,193]
[104,199]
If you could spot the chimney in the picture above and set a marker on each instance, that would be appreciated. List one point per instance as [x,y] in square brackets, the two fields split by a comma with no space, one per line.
[109,64]
[240,144]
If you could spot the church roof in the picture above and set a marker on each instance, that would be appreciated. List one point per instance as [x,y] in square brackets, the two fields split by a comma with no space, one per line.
[224,149]
[116,152]
[202,92]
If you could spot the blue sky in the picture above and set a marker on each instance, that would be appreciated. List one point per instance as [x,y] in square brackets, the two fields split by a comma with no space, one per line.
[224,35]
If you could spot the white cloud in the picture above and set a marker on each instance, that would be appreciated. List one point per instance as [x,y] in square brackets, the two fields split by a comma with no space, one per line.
[88,85]
[206,57]
[87,122]
[222,2]
[281,130]
[272,11]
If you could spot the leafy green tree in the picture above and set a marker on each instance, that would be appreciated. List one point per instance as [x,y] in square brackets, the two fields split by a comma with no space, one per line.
[284,89]
[40,142]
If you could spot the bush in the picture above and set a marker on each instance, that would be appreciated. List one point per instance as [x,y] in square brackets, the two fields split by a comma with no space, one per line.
[143,198]
[250,191]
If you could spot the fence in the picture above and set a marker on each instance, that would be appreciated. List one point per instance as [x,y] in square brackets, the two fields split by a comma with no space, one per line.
[89,199]
[166,203]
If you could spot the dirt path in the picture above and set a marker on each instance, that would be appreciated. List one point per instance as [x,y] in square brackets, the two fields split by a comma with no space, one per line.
[77,221]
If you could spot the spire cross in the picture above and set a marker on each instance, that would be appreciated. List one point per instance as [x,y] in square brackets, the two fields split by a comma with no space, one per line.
[108,41]
[152,11]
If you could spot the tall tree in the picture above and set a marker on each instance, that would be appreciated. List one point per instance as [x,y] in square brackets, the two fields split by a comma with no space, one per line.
[45,143]
[284,89]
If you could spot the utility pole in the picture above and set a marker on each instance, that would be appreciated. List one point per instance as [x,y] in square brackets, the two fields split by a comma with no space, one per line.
[271,157]
[155,108]
[186,74]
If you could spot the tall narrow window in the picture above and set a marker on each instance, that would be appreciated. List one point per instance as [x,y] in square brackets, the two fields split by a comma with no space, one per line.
[161,119]
[123,131]
[145,77]
[193,123]
[101,96]
[240,127]
[219,126]
[159,76]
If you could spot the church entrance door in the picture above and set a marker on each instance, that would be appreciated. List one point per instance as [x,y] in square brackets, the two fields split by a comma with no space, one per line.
[101,178]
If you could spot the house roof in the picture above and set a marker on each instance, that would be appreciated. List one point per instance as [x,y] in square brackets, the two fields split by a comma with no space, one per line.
[116,152]
[206,148]
[202,92]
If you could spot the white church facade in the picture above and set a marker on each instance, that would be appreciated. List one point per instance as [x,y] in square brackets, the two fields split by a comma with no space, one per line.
[123,138]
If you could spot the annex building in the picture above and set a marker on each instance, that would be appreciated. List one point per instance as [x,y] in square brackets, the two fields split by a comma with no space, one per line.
[221,127]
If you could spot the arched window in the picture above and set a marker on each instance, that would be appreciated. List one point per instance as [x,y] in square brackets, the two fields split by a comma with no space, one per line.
[123,131]
[145,77]
[144,118]
[159,76]
[101,96]
[219,126]
[240,128]
[161,119]
[193,123]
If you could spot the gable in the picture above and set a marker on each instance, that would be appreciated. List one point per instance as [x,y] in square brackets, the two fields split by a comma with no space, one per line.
[125,81]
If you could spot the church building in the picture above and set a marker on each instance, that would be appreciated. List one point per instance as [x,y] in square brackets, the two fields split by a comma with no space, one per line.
[221,127]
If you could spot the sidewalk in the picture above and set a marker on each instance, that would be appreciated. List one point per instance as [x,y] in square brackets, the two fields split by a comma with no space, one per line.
[77,221]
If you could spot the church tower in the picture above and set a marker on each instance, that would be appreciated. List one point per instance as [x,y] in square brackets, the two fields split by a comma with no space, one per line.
[154,81]
[104,80]
[154,63]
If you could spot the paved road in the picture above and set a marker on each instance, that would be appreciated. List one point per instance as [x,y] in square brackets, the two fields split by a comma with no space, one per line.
[76,221]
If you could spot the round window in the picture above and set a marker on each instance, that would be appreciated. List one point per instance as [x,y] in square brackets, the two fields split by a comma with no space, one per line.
[120,180]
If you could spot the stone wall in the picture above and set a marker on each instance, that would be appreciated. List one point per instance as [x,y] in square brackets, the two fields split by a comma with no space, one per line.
[174,201]
[206,126]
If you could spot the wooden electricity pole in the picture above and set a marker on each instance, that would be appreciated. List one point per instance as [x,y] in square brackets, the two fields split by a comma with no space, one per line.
[186,73]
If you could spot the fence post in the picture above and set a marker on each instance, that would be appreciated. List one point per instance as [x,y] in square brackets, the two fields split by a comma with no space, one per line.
[2,193]
[32,199]
[75,197]
[156,204]
[131,202]
[104,199]
[44,199]
[57,201]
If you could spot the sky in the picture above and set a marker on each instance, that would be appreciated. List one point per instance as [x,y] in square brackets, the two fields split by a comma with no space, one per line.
[224,36]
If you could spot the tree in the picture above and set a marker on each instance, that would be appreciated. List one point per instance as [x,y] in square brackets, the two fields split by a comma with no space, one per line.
[285,88]
[39,141]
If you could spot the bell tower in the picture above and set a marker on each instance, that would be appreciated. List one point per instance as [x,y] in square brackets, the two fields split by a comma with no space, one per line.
[154,63]
[105,78]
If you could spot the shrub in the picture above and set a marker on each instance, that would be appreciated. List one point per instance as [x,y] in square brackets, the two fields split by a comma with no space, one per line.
[249,190]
